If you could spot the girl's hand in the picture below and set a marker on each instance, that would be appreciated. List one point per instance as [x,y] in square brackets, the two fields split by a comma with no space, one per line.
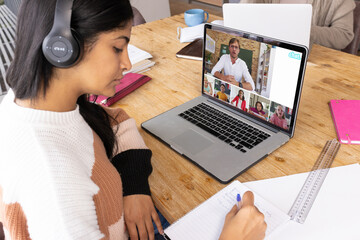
[245,224]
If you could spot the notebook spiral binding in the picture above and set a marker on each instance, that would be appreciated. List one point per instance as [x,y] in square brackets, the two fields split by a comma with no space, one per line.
[307,195]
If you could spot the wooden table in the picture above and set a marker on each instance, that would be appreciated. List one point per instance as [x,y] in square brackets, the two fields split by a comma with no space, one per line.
[177,185]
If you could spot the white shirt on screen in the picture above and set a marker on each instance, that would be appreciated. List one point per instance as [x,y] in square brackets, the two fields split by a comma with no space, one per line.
[238,69]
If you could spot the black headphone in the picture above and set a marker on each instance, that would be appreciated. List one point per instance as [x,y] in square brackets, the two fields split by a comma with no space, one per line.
[62,47]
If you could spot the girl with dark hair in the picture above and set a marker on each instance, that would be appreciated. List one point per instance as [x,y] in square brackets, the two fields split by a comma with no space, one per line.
[258,109]
[56,180]
[71,189]
[240,98]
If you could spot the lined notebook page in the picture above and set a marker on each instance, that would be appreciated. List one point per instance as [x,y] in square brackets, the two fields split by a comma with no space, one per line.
[206,221]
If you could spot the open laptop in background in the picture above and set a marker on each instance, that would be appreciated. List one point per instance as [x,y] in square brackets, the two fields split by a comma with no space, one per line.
[289,22]
[224,134]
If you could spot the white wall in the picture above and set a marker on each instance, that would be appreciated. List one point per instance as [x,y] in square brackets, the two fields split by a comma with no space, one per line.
[152,9]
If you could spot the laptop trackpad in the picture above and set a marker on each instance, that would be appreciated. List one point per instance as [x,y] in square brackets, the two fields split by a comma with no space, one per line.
[192,141]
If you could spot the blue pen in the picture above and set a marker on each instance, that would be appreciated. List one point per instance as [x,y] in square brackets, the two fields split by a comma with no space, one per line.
[238,199]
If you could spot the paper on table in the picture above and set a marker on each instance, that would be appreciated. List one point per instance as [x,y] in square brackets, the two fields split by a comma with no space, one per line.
[136,54]
[206,221]
[334,214]
[139,60]
[189,34]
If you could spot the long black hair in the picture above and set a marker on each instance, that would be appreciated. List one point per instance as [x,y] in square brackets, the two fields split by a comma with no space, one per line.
[30,72]
[243,97]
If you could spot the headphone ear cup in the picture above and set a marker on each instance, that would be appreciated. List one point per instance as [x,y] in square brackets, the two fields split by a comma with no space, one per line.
[80,44]
[62,51]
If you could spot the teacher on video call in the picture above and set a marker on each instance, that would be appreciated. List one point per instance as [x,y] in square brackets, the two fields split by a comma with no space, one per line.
[234,69]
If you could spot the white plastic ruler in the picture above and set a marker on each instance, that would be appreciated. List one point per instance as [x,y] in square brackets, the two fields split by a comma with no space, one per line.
[312,185]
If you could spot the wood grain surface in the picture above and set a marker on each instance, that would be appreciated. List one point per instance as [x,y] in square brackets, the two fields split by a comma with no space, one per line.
[177,185]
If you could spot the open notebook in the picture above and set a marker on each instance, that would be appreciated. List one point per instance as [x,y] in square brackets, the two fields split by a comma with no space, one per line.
[206,221]
[334,214]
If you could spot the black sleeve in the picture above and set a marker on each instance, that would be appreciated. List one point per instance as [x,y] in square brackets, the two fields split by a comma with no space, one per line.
[135,168]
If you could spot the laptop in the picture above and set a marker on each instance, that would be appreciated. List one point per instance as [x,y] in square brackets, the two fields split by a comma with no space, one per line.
[289,22]
[230,127]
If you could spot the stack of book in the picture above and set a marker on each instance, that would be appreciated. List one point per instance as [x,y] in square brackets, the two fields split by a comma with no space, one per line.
[139,59]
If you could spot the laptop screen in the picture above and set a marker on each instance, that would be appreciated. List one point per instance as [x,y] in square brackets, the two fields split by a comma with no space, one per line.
[257,76]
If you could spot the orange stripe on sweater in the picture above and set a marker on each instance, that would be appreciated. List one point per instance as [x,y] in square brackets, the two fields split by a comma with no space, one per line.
[13,218]
[109,200]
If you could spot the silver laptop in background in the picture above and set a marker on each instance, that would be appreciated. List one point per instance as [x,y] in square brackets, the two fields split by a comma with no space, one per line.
[230,128]
[289,22]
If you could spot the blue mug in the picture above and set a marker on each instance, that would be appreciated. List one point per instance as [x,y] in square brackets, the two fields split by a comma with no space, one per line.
[195,17]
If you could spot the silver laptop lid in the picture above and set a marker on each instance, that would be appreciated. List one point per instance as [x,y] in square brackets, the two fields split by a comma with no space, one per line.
[257,76]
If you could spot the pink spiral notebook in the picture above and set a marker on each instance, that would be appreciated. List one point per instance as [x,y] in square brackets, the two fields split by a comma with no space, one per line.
[346,116]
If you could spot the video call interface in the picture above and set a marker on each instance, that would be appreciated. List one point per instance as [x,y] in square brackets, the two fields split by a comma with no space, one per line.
[256,77]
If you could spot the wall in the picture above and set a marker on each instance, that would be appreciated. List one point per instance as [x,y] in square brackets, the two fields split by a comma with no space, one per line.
[152,9]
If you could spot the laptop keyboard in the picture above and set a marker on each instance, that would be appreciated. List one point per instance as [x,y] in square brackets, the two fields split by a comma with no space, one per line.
[233,131]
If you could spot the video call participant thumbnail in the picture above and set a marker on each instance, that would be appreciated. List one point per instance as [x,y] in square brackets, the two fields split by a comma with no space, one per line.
[221,94]
[239,100]
[258,110]
[278,118]
[207,86]
[234,69]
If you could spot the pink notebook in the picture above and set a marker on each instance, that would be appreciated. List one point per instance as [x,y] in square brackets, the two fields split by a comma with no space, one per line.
[346,116]
[128,83]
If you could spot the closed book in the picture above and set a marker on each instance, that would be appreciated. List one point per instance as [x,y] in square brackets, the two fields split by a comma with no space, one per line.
[128,83]
[193,50]
[346,115]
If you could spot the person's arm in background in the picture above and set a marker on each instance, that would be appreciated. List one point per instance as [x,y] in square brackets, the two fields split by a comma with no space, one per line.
[217,69]
[219,75]
[338,18]
[285,124]
[243,105]
[133,161]
[247,86]
[248,82]
[235,99]
[339,33]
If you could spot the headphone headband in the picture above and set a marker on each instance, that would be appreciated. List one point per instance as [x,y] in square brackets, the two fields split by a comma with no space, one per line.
[62,17]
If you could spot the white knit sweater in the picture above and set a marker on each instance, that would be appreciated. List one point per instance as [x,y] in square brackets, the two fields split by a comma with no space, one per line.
[47,176]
